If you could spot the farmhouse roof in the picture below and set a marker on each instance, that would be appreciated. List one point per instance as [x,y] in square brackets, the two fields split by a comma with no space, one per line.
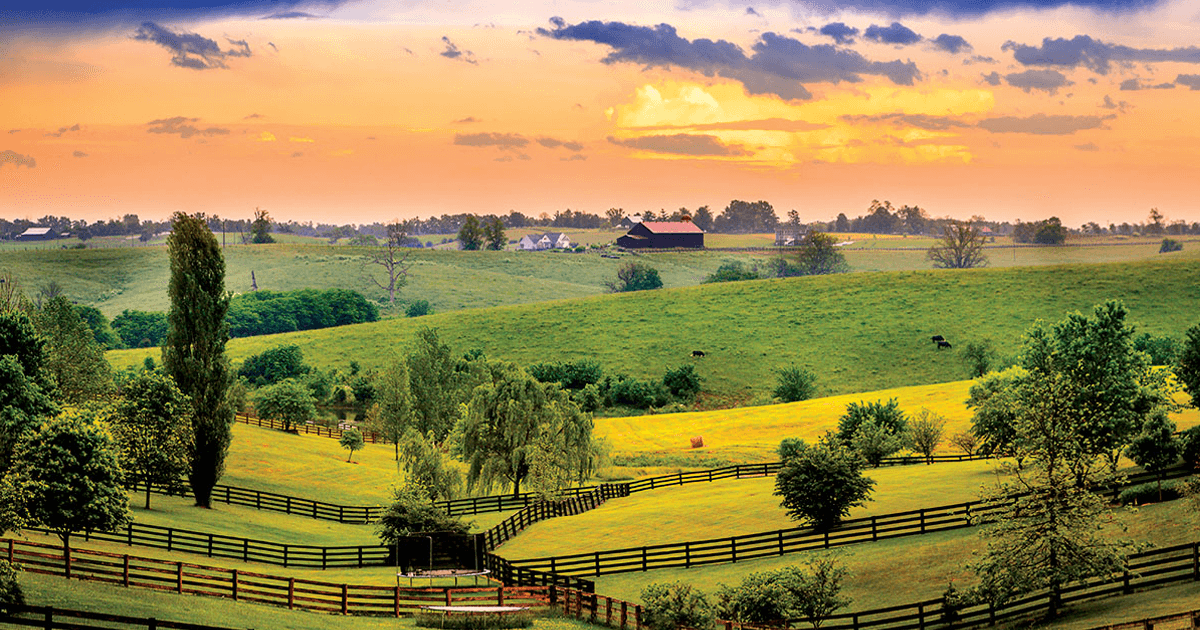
[36,231]
[672,227]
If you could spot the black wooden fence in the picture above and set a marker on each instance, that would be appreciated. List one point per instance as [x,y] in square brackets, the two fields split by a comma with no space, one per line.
[50,618]
[782,541]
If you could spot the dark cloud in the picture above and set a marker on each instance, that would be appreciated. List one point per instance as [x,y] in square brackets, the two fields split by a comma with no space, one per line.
[680,144]
[971,8]
[1132,85]
[297,154]
[62,130]
[572,158]
[16,159]
[751,11]
[897,33]
[1192,81]
[840,33]
[467,120]
[1045,80]
[504,141]
[292,15]
[1090,146]
[183,127]
[1042,124]
[779,65]
[452,52]
[978,59]
[553,143]
[952,44]
[1110,104]
[120,14]
[253,116]
[766,124]
[992,79]
[1094,54]
[922,121]
[189,50]
[14,131]
[79,154]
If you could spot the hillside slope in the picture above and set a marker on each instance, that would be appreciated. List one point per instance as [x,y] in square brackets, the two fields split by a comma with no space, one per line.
[858,332]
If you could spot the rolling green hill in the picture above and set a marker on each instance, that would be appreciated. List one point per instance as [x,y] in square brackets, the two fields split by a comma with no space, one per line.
[858,332]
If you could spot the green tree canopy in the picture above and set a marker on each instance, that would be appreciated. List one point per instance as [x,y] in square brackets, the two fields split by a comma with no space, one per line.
[73,357]
[1187,367]
[819,255]
[26,390]
[513,421]
[140,329]
[435,385]
[961,247]
[194,354]
[274,365]
[65,477]
[820,483]
[635,276]
[152,426]
[393,415]
[287,401]
[470,235]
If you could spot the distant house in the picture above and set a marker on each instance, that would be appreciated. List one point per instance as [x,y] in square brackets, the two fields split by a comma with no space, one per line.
[536,242]
[789,235]
[37,234]
[663,234]
[629,222]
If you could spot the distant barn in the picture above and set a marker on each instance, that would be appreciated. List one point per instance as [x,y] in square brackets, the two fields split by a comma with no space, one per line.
[661,234]
[37,234]
[630,221]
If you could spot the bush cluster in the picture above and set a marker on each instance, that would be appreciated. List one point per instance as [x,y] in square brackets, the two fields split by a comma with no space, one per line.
[270,312]
[591,389]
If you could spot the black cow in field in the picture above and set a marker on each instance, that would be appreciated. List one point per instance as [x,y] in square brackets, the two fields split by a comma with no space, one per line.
[697,353]
[937,338]
[943,344]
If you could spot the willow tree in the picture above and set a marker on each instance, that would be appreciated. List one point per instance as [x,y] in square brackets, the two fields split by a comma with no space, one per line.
[194,353]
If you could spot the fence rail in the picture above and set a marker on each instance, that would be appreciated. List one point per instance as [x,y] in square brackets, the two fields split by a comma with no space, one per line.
[732,549]
[244,549]
[1179,621]
[50,618]
[293,593]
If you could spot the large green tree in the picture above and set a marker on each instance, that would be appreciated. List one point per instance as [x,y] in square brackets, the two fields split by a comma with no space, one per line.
[393,414]
[961,247]
[1082,387]
[194,354]
[287,401]
[493,234]
[820,483]
[434,384]
[1187,367]
[515,426]
[151,423]
[26,390]
[65,477]
[818,255]
[73,357]
[471,235]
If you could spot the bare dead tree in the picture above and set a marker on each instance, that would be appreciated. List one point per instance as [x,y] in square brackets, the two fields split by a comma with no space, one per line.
[961,247]
[392,255]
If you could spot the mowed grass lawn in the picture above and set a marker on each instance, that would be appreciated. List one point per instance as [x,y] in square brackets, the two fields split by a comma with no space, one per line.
[904,570]
[857,332]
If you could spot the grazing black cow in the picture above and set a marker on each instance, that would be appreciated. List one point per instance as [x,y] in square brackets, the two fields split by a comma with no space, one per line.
[697,353]
[944,344]
[937,338]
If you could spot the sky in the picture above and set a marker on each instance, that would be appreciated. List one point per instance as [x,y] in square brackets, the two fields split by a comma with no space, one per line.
[357,111]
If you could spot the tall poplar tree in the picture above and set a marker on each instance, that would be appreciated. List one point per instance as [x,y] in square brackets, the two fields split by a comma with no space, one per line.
[194,353]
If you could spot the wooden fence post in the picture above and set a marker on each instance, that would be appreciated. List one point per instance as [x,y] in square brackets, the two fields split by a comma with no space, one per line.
[345,599]
[733,548]
[234,584]
[49,620]
[125,571]
[1195,560]
[178,577]
[500,596]
[447,589]
[397,600]
[624,613]
[11,543]
[291,593]
[921,616]
[67,558]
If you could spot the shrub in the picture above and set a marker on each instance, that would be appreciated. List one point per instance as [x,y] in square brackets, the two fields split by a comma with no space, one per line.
[569,375]
[1170,245]
[474,622]
[795,383]
[588,398]
[637,394]
[10,588]
[1161,350]
[1189,443]
[417,308]
[683,382]
[635,276]
[731,271]
[675,605]
[874,442]
[819,484]
[274,365]
[1148,492]
[412,512]
[287,401]
[779,597]
[886,415]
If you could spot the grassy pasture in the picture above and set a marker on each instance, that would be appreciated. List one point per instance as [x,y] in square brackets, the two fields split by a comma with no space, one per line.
[858,332]
[904,570]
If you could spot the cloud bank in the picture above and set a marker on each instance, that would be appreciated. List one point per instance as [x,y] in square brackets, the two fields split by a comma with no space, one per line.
[189,50]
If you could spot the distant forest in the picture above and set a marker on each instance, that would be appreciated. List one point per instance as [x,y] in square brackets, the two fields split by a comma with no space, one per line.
[739,217]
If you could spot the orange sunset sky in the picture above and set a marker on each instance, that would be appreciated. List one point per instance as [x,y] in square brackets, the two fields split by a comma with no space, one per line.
[362,111]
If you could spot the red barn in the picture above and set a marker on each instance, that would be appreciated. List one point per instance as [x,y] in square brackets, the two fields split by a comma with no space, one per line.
[663,234]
